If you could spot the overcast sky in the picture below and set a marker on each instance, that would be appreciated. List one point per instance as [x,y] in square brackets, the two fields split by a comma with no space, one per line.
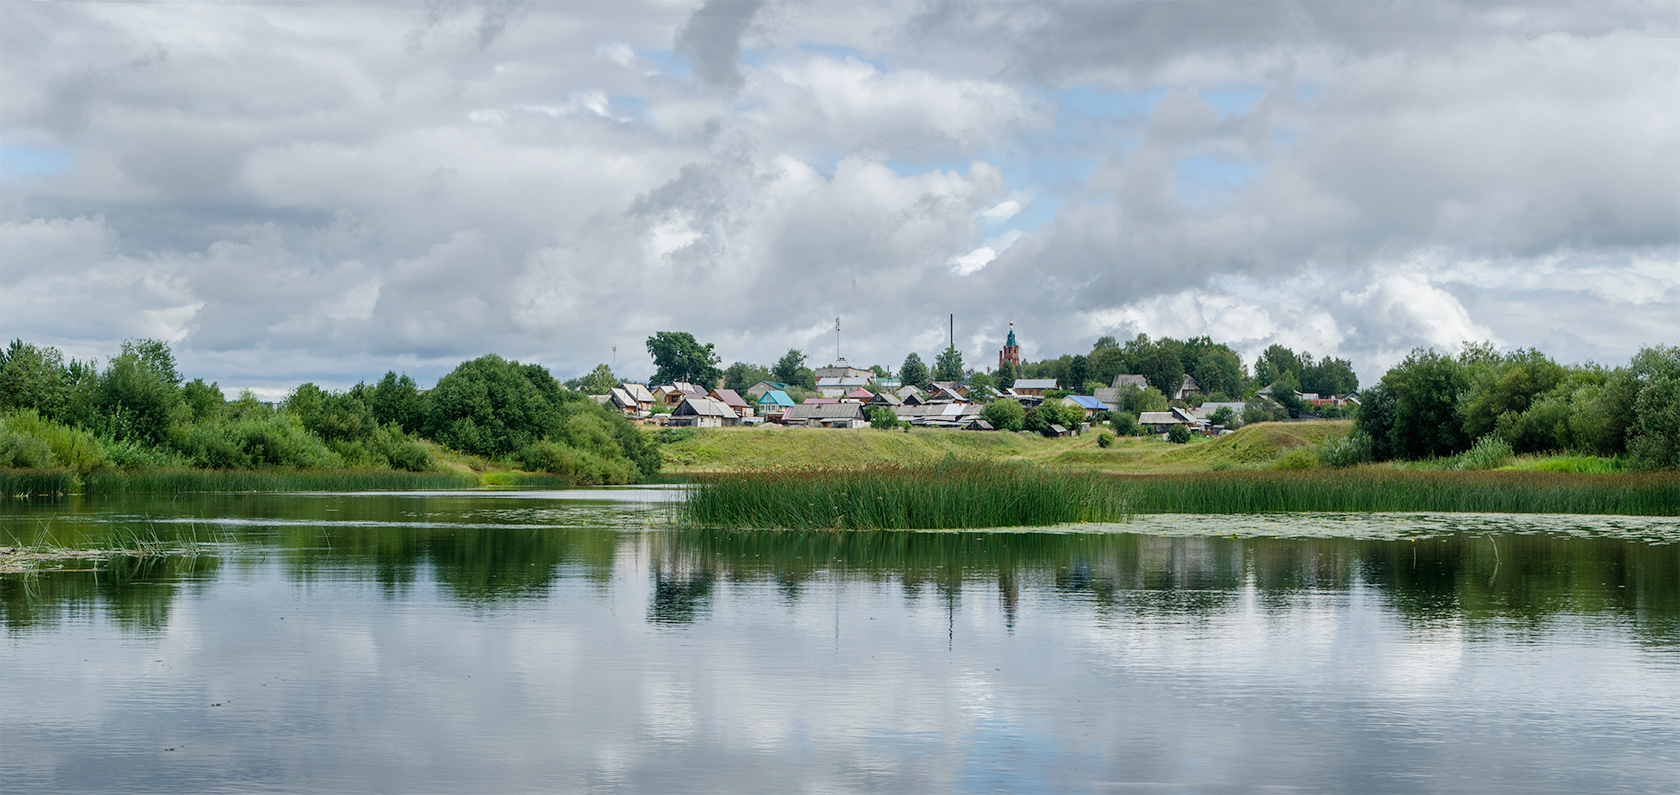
[324,191]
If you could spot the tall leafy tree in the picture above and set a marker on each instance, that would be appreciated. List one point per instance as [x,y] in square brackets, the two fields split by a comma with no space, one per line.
[1162,368]
[139,391]
[600,381]
[1006,375]
[33,377]
[913,372]
[787,368]
[742,375]
[680,357]
[397,399]
[948,366]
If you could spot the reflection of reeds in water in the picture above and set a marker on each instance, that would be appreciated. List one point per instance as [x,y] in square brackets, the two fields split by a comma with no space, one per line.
[1001,495]
[950,495]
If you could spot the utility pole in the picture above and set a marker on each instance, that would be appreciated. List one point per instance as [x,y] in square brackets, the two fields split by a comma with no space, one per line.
[953,341]
[837,340]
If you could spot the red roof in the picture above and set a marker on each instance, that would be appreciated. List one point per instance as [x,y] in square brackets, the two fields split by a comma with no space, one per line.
[860,392]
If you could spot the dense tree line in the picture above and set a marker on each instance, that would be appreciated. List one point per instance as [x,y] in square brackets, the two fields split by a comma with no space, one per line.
[1434,405]
[138,411]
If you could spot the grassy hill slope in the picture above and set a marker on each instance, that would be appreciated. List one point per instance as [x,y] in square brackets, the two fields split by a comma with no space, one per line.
[705,450]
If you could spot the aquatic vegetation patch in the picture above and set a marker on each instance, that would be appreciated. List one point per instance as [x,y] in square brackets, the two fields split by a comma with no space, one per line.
[945,496]
[974,495]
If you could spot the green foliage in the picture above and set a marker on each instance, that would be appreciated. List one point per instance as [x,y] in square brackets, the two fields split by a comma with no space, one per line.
[1287,400]
[1105,439]
[33,378]
[1178,434]
[882,418]
[1224,416]
[397,399]
[1426,387]
[251,440]
[493,407]
[1125,423]
[577,466]
[913,372]
[1052,412]
[203,401]
[1006,376]
[600,381]
[1162,368]
[948,365]
[30,441]
[1135,400]
[791,369]
[1351,450]
[1489,452]
[36,482]
[981,381]
[1004,414]
[1654,438]
[680,357]
[139,393]
[740,376]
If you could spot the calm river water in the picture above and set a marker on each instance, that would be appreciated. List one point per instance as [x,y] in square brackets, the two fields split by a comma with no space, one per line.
[575,641]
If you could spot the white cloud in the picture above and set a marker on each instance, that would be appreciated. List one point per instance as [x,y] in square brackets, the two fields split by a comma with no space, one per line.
[290,192]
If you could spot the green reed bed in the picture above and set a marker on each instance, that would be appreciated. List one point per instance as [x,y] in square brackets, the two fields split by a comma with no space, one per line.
[36,482]
[951,496]
[1382,489]
[947,496]
[182,481]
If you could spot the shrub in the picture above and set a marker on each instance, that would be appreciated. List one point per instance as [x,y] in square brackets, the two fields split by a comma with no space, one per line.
[1124,423]
[1178,434]
[1350,451]
[1004,414]
[1489,452]
[31,441]
[1296,458]
[883,418]
[1105,439]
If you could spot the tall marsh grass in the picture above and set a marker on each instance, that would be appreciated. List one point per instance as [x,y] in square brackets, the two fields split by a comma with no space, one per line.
[36,482]
[946,496]
[951,496]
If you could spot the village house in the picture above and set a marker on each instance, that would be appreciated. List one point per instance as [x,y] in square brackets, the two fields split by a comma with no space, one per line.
[905,392]
[1130,379]
[859,395]
[1186,388]
[773,404]
[1035,387]
[757,390]
[1090,405]
[826,415]
[884,398]
[732,399]
[842,369]
[838,386]
[640,395]
[704,412]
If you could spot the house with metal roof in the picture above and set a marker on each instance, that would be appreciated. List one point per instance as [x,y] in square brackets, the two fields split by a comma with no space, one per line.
[704,412]
[838,386]
[757,390]
[859,395]
[730,398]
[1033,386]
[1091,405]
[1130,379]
[826,415]
[771,404]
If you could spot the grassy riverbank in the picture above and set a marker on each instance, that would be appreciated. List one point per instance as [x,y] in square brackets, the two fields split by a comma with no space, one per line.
[1009,495]
[723,450]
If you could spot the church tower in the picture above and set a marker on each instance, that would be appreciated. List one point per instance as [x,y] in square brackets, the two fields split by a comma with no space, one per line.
[1011,352]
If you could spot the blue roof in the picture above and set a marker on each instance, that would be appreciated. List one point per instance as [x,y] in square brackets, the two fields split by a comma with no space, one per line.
[1086,401]
[775,397]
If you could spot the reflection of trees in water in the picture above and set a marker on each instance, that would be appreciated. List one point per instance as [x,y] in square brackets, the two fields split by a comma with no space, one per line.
[1520,580]
[135,593]
[682,583]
